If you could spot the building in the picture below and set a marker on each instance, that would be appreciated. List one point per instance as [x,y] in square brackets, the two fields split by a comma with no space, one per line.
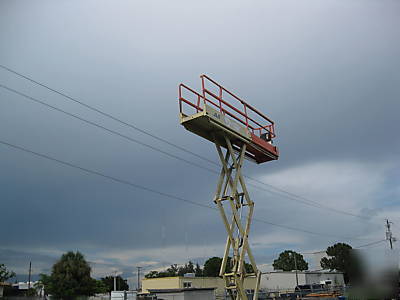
[24,285]
[2,286]
[286,281]
[181,282]
[184,294]
[270,282]
[21,288]
[122,295]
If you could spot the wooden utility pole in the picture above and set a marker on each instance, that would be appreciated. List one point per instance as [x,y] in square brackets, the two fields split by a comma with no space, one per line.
[389,235]
[115,280]
[29,276]
[295,266]
[138,278]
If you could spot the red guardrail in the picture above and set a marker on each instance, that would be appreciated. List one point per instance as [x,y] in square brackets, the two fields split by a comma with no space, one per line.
[182,99]
[226,108]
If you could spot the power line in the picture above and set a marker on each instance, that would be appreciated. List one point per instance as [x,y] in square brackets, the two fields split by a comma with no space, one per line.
[164,140]
[117,133]
[104,128]
[136,141]
[302,230]
[108,115]
[293,197]
[304,200]
[357,247]
[154,191]
[277,191]
[105,176]
[120,135]
[370,244]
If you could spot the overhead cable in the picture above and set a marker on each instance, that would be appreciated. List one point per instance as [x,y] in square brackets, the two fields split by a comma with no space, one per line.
[286,194]
[151,190]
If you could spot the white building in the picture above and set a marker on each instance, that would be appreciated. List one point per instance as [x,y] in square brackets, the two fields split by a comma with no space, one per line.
[286,281]
[123,295]
[184,294]
[33,285]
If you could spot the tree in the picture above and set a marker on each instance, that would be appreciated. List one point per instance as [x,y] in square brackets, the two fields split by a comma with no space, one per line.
[248,268]
[100,287]
[286,261]
[172,271]
[31,292]
[152,274]
[198,271]
[122,284]
[5,274]
[187,268]
[342,259]
[211,269]
[70,277]
[212,266]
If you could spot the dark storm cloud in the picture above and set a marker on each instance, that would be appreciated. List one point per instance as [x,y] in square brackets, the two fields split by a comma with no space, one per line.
[326,72]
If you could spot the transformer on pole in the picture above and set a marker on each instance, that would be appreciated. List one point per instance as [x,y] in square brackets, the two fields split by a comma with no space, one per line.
[238,131]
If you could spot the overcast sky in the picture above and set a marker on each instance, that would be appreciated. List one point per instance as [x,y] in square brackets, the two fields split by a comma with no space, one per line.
[327,72]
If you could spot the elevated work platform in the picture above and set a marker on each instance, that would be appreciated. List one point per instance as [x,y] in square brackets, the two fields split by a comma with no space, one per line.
[214,118]
[227,121]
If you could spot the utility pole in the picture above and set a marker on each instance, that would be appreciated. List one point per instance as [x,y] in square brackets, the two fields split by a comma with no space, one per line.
[29,276]
[138,278]
[295,266]
[115,280]
[389,235]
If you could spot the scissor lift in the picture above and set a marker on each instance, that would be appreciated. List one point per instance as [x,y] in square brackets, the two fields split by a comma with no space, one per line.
[221,117]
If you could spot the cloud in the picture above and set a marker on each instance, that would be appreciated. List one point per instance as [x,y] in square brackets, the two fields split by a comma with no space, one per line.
[348,185]
[327,74]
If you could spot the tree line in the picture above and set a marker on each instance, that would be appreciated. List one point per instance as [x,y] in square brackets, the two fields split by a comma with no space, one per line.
[211,268]
[71,274]
[340,258]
